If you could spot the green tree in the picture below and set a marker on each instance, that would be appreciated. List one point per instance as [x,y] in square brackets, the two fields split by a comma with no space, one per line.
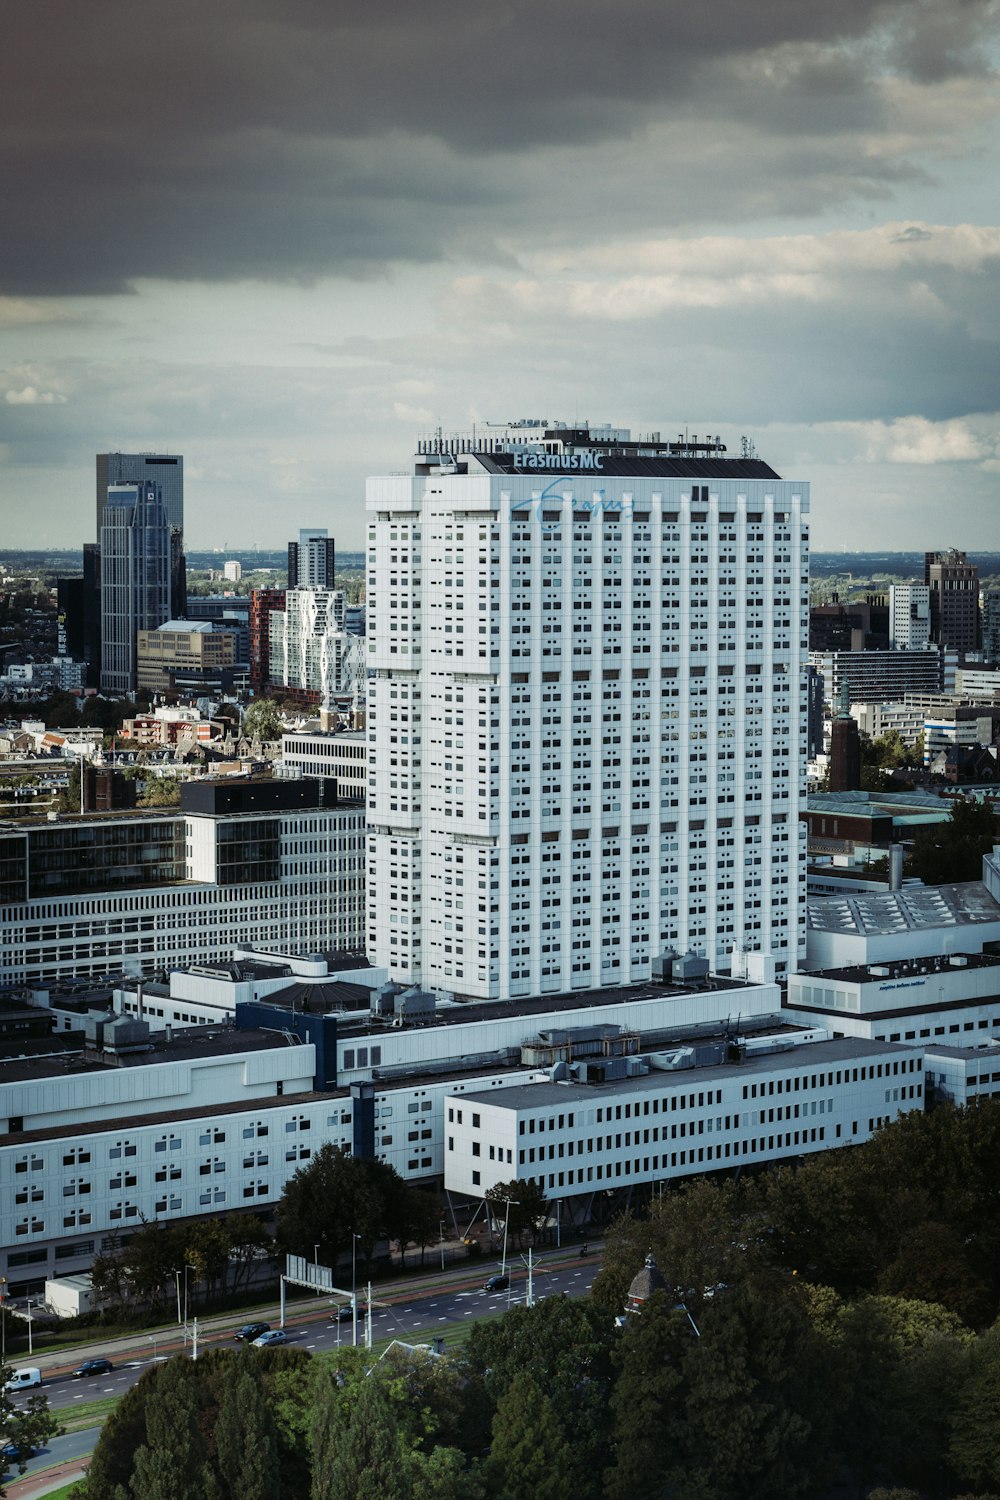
[60,711]
[249,1244]
[359,1453]
[521,1203]
[245,1438]
[530,1455]
[160,791]
[173,1460]
[31,1425]
[564,1344]
[123,1433]
[207,1249]
[263,720]
[702,1233]
[759,1376]
[335,1196]
[975,1443]
[953,851]
[646,1395]
[443,1474]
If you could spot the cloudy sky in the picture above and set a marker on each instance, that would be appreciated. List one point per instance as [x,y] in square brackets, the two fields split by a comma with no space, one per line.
[285,238]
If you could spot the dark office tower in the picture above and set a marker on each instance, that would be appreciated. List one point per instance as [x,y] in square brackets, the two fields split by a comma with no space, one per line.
[312,560]
[845,749]
[262,602]
[814,711]
[178,577]
[135,578]
[954,586]
[92,612]
[69,603]
[163,469]
[167,471]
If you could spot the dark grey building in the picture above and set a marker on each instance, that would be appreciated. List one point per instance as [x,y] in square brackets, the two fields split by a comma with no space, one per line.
[164,469]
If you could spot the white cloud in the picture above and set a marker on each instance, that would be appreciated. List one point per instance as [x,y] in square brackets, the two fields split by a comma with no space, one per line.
[19,312]
[30,395]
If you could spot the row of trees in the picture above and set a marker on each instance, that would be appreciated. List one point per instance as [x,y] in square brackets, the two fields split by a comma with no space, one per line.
[333,1205]
[220,1254]
[915,1213]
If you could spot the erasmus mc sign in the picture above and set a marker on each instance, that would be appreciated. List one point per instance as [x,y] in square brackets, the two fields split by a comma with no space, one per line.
[566,463]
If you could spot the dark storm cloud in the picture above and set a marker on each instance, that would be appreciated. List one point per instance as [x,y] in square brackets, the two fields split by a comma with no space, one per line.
[240,139]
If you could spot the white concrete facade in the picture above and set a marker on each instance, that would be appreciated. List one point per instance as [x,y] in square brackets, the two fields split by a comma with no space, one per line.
[342,754]
[574,1138]
[955,999]
[586,720]
[311,648]
[99,1154]
[909,616]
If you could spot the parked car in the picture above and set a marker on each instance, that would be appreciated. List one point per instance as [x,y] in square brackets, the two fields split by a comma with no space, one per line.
[496,1283]
[23,1380]
[93,1367]
[251,1331]
[273,1336]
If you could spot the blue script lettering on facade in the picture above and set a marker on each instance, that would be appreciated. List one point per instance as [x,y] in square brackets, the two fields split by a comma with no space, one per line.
[600,503]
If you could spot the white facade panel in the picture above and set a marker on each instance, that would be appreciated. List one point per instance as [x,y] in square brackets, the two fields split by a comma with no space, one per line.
[577,1139]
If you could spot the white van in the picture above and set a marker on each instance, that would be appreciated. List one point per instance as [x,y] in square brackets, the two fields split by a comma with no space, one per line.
[22,1380]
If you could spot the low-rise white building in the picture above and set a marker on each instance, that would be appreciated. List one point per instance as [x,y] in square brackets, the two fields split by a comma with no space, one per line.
[955,996]
[342,754]
[962,1076]
[854,930]
[578,1137]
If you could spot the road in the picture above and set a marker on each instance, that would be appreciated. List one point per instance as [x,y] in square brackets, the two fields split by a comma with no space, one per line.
[411,1317]
[414,1316]
[62,1461]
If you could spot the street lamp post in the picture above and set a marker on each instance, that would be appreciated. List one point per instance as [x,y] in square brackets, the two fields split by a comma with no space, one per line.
[354,1284]
[3,1320]
[506,1221]
[442,1244]
[187,1267]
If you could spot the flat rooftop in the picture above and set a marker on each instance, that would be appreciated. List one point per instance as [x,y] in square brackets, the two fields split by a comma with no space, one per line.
[360,1021]
[187,1045]
[902,970]
[912,909]
[985,1051]
[811,1055]
[879,804]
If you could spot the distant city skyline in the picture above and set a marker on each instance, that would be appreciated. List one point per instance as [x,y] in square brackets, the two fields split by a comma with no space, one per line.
[772,221]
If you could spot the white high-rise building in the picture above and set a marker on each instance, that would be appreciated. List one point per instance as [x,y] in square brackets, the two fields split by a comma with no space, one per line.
[311,648]
[587,717]
[909,616]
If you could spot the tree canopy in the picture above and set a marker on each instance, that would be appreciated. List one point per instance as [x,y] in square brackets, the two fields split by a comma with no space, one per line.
[263,720]
[950,852]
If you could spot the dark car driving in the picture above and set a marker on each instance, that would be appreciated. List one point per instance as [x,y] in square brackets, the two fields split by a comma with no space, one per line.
[93,1367]
[496,1284]
[251,1331]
